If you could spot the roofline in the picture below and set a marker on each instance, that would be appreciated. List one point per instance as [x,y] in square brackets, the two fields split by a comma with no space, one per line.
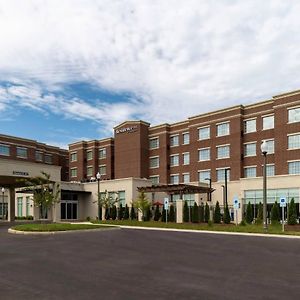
[132,122]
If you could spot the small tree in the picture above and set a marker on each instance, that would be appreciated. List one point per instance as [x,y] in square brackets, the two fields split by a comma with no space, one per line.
[126,212]
[163,215]
[185,212]
[142,203]
[132,213]
[259,213]
[148,214]
[195,214]
[106,200]
[206,213]
[172,213]
[292,213]
[249,215]
[107,213]
[114,212]
[226,218]
[201,213]
[217,213]
[121,212]
[275,213]
[157,213]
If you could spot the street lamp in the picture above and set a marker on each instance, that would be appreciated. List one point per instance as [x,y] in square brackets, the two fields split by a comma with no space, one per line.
[3,190]
[98,177]
[264,150]
[226,202]
[209,195]
[223,187]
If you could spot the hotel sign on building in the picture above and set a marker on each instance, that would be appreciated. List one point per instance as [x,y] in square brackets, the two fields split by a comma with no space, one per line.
[129,129]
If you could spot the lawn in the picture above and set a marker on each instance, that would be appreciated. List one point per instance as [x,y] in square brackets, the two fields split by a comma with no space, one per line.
[250,228]
[57,227]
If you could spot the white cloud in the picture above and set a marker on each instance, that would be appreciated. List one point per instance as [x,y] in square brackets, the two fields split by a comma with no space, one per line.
[179,58]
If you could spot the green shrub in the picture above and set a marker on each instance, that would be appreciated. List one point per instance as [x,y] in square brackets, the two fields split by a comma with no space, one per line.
[292,213]
[114,212]
[126,212]
[275,213]
[210,223]
[259,219]
[226,218]
[217,213]
[201,213]
[172,213]
[121,212]
[156,213]
[88,218]
[206,213]
[249,215]
[133,215]
[243,223]
[195,213]
[186,216]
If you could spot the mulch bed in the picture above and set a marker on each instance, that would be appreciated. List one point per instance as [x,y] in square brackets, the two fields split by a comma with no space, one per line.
[292,227]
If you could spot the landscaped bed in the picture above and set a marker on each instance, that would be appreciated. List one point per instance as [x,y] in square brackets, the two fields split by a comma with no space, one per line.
[52,227]
[250,228]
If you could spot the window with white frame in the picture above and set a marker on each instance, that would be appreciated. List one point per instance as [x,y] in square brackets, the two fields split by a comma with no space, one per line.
[204,133]
[186,138]
[186,158]
[270,146]
[223,129]
[174,160]
[202,175]
[250,149]
[186,177]
[154,162]
[74,172]
[122,198]
[74,156]
[154,179]
[38,156]
[294,141]
[89,155]
[102,153]
[48,158]
[270,170]
[21,152]
[268,122]
[249,126]
[174,140]
[294,115]
[294,167]
[249,172]
[4,150]
[89,171]
[102,169]
[221,174]
[223,151]
[204,154]
[174,178]
[154,143]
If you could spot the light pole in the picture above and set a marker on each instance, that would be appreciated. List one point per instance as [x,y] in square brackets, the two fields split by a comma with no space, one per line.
[3,190]
[98,177]
[226,202]
[223,187]
[209,195]
[264,150]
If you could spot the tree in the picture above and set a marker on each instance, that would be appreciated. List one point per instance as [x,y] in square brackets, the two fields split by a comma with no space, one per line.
[163,215]
[106,200]
[249,215]
[206,213]
[148,214]
[217,213]
[226,218]
[292,213]
[259,213]
[172,213]
[45,192]
[126,212]
[142,203]
[121,212]
[132,213]
[195,214]
[157,213]
[275,213]
[201,213]
[114,212]
[185,212]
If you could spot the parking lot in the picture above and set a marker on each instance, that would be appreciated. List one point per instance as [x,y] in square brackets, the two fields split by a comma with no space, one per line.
[140,264]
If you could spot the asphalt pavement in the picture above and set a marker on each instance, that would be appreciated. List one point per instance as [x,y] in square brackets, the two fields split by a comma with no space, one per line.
[140,264]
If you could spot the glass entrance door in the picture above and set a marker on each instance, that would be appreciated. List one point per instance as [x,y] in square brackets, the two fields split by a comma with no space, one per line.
[69,210]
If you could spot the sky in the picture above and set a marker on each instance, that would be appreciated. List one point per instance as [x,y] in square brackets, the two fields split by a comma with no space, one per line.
[71,70]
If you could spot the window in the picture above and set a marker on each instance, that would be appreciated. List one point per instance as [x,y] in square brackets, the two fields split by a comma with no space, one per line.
[38,156]
[174,179]
[89,155]
[4,150]
[268,122]
[27,205]
[250,149]
[21,152]
[74,156]
[294,115]
[89,171]
[186,158]
[174,160]
[122,198]
[204,133]
[154,143]
[174,140]
[294,167]
[154,162]
[221,174]
[249,172]
[204,154]
[48,158]
[203,174]
[186,177]
[270,146]
[20,206]
[102,169]
[102,153]
[74,172]
[223,151]
[250,126]
[270,170]
[154,179]
[223,129]
[294,141]
[186,138]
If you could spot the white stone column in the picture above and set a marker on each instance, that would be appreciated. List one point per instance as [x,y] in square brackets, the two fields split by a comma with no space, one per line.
[179,211]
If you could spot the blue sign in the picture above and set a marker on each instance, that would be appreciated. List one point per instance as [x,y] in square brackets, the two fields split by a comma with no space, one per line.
[236,203]
[282,202]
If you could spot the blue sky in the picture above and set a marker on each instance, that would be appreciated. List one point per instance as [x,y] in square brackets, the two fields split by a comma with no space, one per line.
[72,70]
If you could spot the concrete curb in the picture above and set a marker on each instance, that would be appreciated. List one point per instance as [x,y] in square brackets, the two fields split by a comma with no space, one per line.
[214,232]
